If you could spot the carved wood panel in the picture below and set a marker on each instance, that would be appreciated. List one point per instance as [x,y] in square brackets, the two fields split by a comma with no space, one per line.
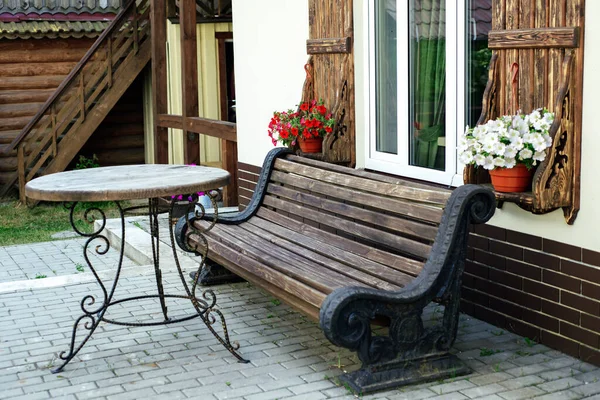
[545,39]
[332,56]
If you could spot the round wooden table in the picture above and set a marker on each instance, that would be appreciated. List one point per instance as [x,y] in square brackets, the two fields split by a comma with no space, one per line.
[131,182]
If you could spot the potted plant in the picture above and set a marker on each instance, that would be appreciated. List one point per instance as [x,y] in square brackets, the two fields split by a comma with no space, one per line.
[307,126]
[509,147]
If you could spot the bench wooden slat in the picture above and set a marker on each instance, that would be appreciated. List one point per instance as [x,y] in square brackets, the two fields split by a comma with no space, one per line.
[292,292]
[394,281]
[368,185]
[401,226]
[403,264]
[282,261]
[257,273]
[379,177]
[369,272]
[414,210]
[401,244]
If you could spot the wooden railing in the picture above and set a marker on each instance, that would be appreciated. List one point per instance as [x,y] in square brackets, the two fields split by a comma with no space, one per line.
[226,131]
[48,141]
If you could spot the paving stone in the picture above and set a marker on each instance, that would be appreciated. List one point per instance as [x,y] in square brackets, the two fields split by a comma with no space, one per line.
[481,391]
[560,384]
[587,389]
[452,386]
[517,383]
[562,395]
[522,393]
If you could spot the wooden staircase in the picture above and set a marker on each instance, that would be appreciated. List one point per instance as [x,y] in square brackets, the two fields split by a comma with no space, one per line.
[51,140]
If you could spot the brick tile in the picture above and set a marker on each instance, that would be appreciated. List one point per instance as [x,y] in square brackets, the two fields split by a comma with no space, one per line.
[560,343]
[561,312]
[591,257]
[541,290]
[506,249]
[561,281]
[561,249]
[583,271]
[490,231]
[524,240]
[580,303]
[541,320]
[505,278]
[581,335]
[544,260]
[590,290]
[524,269]
[478,242]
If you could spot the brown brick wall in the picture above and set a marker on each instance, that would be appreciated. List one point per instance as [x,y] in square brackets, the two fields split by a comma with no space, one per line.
[543,289]
[247,178]
[539,288]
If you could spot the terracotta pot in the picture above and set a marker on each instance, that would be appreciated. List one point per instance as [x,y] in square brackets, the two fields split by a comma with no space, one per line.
[312,145]
[517,179]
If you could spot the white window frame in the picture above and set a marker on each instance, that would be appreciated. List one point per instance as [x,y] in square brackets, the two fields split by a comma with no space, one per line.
[398,164]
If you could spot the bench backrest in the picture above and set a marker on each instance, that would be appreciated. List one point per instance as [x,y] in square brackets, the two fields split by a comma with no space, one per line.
[391,220]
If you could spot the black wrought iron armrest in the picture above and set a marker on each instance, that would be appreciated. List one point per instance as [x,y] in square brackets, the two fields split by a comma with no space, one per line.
[347,313]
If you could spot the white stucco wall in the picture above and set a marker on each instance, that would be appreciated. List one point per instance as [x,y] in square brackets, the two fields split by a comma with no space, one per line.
[270,53]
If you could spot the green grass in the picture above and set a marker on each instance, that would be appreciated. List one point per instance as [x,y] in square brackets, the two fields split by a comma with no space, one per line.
[20,224]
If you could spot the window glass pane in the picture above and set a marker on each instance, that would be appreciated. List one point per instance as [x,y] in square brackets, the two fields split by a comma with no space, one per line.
[386,95]
[427,83]
[478,24]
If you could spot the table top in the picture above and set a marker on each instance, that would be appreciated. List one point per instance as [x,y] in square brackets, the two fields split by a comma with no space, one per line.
[125,182]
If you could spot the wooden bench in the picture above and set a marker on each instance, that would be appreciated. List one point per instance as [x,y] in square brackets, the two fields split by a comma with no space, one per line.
[349,247]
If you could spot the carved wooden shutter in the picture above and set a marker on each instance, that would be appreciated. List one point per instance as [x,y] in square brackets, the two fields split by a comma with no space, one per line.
[332,58]
[542,41]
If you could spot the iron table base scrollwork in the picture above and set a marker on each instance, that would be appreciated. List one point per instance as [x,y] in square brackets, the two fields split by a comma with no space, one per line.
[130,182]
[204,305]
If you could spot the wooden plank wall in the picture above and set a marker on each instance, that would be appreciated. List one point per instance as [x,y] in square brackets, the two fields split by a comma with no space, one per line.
[119,140]
[30,71]
[331,22]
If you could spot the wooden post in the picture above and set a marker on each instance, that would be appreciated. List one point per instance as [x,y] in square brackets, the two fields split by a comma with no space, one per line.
[109,61]
[21,171]
[82,94]
[54,134]
[159,78]
[229,163]
[136,39]
[189,77]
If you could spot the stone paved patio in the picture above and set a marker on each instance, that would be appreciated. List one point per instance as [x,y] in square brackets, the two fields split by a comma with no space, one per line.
[289,356]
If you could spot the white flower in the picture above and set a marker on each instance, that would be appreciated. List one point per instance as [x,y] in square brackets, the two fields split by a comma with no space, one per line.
[525,154]
[499,149]
[518,143]
[510,162]
[488,162]
[510,152]
[513,135]
[499,162]
[539,155]
[548,140]
[479,159]
[466,157]
[488,147]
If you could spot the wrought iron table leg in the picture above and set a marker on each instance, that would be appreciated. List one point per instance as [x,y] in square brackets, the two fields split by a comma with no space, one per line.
[95,315]
[206,307]
[154,233]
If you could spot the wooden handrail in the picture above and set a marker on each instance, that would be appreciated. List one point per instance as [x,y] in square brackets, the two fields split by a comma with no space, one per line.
[76,70]
[205,126]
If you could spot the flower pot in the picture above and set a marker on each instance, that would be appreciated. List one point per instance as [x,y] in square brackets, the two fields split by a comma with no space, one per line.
[516,179]
[311,145]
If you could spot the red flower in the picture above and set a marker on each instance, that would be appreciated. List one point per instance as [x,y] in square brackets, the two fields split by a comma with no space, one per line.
[304,106]
[284,134]
[328,129]
[295,132]
[322,109]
